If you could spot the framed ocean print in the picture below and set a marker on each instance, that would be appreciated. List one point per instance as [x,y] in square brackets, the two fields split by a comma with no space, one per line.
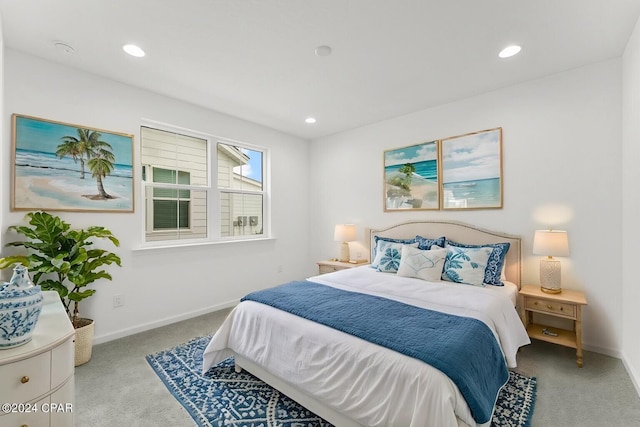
[472,170]
[64,167]
[411,177]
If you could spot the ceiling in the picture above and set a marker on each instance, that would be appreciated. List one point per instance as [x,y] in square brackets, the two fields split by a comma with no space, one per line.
[255,59]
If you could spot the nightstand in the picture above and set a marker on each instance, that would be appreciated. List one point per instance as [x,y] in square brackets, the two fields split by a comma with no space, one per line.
[331,266]
[565,305]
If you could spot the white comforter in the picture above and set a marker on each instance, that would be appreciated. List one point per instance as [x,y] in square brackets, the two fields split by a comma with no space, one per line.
[370,384]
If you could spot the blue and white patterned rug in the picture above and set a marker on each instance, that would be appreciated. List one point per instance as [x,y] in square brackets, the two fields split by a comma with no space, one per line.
[223,397]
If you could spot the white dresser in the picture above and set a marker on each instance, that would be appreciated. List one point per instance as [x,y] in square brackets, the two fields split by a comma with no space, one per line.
[36,379]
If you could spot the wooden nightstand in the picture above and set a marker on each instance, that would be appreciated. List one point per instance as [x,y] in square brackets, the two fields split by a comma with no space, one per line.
[566,305]
[331,266]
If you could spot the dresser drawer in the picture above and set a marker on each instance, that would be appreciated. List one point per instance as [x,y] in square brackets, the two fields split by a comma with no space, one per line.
[62,358]
[545,306]
[63,398]
[29,416]
[25,380]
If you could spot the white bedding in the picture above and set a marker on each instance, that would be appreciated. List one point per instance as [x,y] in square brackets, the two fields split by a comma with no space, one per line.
[370,384]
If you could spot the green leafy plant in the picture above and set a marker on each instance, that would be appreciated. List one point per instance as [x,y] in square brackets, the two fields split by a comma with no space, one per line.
[61,258]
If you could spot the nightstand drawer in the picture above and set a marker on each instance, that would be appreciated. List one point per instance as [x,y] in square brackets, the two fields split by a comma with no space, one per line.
[546,306]
[324,269]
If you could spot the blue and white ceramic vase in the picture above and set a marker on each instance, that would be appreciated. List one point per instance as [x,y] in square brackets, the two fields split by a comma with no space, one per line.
[20,307]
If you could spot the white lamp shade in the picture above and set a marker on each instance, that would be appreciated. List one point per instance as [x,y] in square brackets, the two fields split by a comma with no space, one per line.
[551,243]
[345,233]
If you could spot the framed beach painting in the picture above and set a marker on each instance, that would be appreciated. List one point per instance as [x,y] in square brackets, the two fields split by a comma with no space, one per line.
[472,170]
[411,177]
[64,167]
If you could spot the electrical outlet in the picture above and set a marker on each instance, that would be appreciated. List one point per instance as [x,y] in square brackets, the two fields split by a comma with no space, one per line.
[118,300]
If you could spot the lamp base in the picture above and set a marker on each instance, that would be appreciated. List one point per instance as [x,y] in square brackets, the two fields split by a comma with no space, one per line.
[344,252]
[550,276]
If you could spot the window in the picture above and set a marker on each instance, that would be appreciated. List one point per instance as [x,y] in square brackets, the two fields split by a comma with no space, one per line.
[171,206]
[240,184]
[183,203]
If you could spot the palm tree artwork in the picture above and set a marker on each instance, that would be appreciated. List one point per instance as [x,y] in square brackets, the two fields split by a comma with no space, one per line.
[89,149]
[57,167]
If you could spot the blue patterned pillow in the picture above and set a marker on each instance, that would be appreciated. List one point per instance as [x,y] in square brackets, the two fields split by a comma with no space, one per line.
[377,241]
[466,265]
[389,255]
[425,244]
[422,264]
[493,272]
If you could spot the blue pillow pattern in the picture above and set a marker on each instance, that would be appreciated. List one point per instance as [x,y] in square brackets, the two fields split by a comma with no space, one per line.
[389,255]
[390,259]
[494,264]
[466,265]
[425,244]
[377,245]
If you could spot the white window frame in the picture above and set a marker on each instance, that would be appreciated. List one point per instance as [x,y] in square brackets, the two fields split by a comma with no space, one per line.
[149,208]
[213,192]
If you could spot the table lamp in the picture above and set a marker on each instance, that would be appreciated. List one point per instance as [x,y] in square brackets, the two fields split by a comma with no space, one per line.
[344,233]
[550,243]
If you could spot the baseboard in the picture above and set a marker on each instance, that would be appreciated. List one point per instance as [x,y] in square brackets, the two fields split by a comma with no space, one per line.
[603,350]
[99,339]
[633,374]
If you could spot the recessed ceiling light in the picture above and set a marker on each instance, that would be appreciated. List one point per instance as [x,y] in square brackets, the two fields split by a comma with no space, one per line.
[310,120]
[133,50]
[62,46]
[509,51]
[323,50]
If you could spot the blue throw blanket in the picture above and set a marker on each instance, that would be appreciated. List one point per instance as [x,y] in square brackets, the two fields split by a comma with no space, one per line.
[463,348]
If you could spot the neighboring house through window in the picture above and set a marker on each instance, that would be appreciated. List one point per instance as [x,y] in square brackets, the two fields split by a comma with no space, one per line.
[181,201]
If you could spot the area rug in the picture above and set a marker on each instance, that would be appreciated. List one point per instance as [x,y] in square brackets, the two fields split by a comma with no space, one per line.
[223,397]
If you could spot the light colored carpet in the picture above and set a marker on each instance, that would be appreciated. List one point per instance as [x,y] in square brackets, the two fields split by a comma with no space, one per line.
[118,387]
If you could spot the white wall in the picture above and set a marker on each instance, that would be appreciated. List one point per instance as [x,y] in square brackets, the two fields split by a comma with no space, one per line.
[561,158]
[631,203]
[162,285]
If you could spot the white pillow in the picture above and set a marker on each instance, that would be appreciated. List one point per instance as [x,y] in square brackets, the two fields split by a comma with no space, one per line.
[422,264]
[466,265]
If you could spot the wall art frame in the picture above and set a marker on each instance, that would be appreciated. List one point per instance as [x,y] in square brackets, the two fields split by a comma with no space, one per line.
[411,177]
[60,166]
[472,170]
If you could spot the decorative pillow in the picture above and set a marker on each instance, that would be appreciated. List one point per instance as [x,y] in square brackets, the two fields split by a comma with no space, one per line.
[424,243]
[466,265]
[422,264]
[493,270]
[389,255]
[378,241]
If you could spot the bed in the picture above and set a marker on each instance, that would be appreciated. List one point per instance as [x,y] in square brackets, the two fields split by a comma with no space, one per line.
[350,381]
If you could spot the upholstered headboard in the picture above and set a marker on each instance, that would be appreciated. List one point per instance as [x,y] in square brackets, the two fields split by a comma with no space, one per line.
[458,232]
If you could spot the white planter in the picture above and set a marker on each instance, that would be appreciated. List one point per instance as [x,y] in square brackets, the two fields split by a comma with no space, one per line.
[84,341]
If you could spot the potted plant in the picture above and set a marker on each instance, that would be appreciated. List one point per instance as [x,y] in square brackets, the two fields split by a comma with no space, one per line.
[63,259]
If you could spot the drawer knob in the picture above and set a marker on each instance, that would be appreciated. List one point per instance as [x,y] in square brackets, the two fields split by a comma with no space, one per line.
[549,306]
[535,303]
[24,379]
